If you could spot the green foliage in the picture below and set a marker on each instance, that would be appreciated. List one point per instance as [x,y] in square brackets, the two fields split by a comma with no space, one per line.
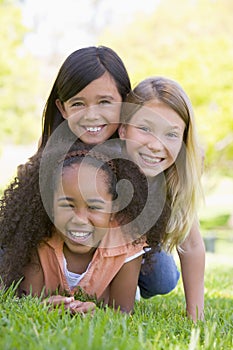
[191,42]
[19,80]
[158,323]
[216,222]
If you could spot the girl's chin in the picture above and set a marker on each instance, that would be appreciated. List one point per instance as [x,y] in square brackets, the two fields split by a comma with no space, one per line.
[87,244]
[151,172]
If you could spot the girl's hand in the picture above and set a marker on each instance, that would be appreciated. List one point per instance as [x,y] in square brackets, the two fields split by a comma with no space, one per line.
[74,306]
[82,307]
[58,300]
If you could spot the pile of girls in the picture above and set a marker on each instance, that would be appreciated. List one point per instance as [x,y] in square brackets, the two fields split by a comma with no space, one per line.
[113,188]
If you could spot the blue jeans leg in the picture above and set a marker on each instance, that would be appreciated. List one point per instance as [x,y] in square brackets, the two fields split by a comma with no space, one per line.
[160,278]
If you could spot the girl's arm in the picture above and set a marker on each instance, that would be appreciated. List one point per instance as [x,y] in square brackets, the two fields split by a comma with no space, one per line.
[192,260]
[123,286]
[33,281]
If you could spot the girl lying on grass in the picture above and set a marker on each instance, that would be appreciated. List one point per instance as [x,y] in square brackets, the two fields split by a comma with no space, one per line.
[63,231]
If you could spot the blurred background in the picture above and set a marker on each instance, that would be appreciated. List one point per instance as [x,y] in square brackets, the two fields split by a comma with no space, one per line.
[190,41]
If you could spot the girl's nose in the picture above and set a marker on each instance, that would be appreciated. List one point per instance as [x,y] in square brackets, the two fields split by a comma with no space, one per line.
[91,113]
[79,217]
[154,143]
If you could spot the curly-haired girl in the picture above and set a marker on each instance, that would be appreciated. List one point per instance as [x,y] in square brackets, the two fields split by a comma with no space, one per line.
[62,229]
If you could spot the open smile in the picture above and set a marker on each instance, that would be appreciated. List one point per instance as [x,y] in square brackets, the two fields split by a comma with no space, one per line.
[150,160]
[94,129]
[79,236]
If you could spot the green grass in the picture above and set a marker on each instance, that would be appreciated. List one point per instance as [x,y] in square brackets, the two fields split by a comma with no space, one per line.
[158,323]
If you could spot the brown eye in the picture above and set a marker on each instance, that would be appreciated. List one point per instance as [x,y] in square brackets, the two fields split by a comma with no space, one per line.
[105,102]
[78,104]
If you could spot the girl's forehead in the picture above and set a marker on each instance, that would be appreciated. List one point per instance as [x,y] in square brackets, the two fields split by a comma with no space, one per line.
[82,168]
[156,105]
[104,85]
[79,186]
[83,175]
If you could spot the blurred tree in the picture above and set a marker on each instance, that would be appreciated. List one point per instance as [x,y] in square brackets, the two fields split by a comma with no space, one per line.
[19,80]
[190,41]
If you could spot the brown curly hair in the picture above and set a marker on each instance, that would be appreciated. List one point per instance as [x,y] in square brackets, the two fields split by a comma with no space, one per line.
[26,221]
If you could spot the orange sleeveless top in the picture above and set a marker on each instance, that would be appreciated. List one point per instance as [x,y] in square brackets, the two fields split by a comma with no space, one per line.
[45,273]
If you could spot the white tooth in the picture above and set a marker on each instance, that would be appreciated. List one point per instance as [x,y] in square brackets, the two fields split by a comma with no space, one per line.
[79,234]
[151,160]
[94,129]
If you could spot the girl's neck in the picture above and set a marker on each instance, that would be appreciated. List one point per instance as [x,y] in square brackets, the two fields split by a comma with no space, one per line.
[77,263]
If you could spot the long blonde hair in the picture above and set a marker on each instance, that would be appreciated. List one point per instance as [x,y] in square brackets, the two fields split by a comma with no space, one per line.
[183,178]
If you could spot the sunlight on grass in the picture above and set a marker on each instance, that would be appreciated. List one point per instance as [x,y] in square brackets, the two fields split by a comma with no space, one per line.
[158,323]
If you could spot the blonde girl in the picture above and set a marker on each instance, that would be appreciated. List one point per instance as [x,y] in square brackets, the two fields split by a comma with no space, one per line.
[159,133]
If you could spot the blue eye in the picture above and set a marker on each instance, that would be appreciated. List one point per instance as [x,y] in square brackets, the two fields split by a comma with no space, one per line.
[173,134]
[144,128]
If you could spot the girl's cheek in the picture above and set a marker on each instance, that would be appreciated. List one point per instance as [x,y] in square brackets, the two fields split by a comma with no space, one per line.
[136,136]
[174,151]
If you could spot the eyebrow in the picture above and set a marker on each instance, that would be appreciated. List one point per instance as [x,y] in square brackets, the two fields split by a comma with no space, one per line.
[72,99]
[94,200]
[175,127]
[65,199]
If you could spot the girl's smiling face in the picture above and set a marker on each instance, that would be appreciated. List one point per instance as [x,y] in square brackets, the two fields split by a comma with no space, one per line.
[153,137]
[82,207]
[94,113]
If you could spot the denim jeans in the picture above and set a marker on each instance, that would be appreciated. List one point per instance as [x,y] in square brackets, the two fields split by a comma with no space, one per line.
[160,278]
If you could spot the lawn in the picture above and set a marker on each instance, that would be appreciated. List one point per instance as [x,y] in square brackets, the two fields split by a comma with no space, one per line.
[158,323]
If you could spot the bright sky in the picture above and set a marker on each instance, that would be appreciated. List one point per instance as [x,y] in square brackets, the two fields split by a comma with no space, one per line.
[67,25]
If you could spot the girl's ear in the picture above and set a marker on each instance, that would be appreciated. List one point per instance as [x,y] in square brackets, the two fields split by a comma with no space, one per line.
[61,108]
[122,131]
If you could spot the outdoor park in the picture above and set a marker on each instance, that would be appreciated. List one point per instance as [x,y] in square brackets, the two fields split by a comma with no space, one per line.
[188,41]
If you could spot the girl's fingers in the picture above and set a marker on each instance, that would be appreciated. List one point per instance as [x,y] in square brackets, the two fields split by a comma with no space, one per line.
[58,300]
[82,307]
[74,306]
